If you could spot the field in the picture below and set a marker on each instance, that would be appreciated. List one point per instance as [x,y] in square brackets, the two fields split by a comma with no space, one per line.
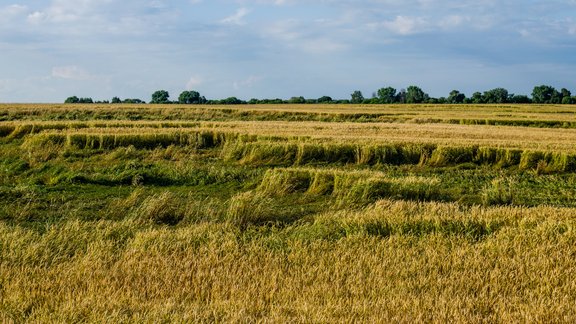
[151,213]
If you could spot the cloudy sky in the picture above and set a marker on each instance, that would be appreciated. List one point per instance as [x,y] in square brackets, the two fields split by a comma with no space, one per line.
[52,49]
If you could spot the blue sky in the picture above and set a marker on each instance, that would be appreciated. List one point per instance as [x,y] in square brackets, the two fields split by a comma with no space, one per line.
[53,49]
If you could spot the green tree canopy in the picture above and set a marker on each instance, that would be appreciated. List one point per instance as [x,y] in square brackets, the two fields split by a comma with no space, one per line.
[477,98]
[191,97]
[357,97]
[160,97]
[401,96]
[456,97]
[416,95]
[497,95]
[133,101]
[231,101]
[297,100]
[519,99]
[544,94]
[75,99]
[387,95]
[72,99]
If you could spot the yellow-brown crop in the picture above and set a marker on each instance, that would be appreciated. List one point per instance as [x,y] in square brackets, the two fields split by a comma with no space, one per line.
[409,213]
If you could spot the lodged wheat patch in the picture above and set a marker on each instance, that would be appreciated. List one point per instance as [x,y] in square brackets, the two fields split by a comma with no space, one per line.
[283,213]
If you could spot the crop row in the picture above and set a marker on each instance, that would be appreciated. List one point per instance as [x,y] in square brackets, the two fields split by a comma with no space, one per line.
[541,116]
[360,188]
[285,151]
[545,139]
[19,130]
[294,153]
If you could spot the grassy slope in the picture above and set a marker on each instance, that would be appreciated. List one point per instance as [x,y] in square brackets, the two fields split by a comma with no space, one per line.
[248,229]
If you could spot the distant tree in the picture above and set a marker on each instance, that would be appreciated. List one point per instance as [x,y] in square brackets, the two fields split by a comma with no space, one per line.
[498,95]
[357,97]
[75,99]
[556,98]
[456,97]
[565,96]
[544,94]
[133,101]
[401,96]
[276,101]
[231,101]
[477,98]
[86,100]
[519,99]
[191,97]
[71,100]
[324,99]
[387,95]
[160,97]
[116,100]
[416,95]
[297,100]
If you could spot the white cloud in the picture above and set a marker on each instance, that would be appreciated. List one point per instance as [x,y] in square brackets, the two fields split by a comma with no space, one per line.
[237,18]
[273,2]
[281,2]
[36,17]
[71,72]
[12,10]
[68,11]
[322,46]
[548,32]
[453,21]
[194,82]
[247,83]
[406,25]
[310,38]
[525,33]
[287,30]
[157,4]
[569,25]
[409,25]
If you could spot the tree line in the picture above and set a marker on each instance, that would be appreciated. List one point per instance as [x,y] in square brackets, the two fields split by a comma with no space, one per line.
[543,94]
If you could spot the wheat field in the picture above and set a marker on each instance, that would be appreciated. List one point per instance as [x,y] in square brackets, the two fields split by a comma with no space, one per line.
[287,213]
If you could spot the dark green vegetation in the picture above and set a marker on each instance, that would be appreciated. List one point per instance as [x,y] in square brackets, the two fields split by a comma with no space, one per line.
[543,94]
[46,177]
[91,156]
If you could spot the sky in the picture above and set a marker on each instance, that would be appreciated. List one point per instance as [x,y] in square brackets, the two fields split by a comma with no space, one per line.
[53,49]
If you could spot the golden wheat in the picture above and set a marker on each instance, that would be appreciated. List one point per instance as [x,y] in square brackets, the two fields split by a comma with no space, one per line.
[287,213]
